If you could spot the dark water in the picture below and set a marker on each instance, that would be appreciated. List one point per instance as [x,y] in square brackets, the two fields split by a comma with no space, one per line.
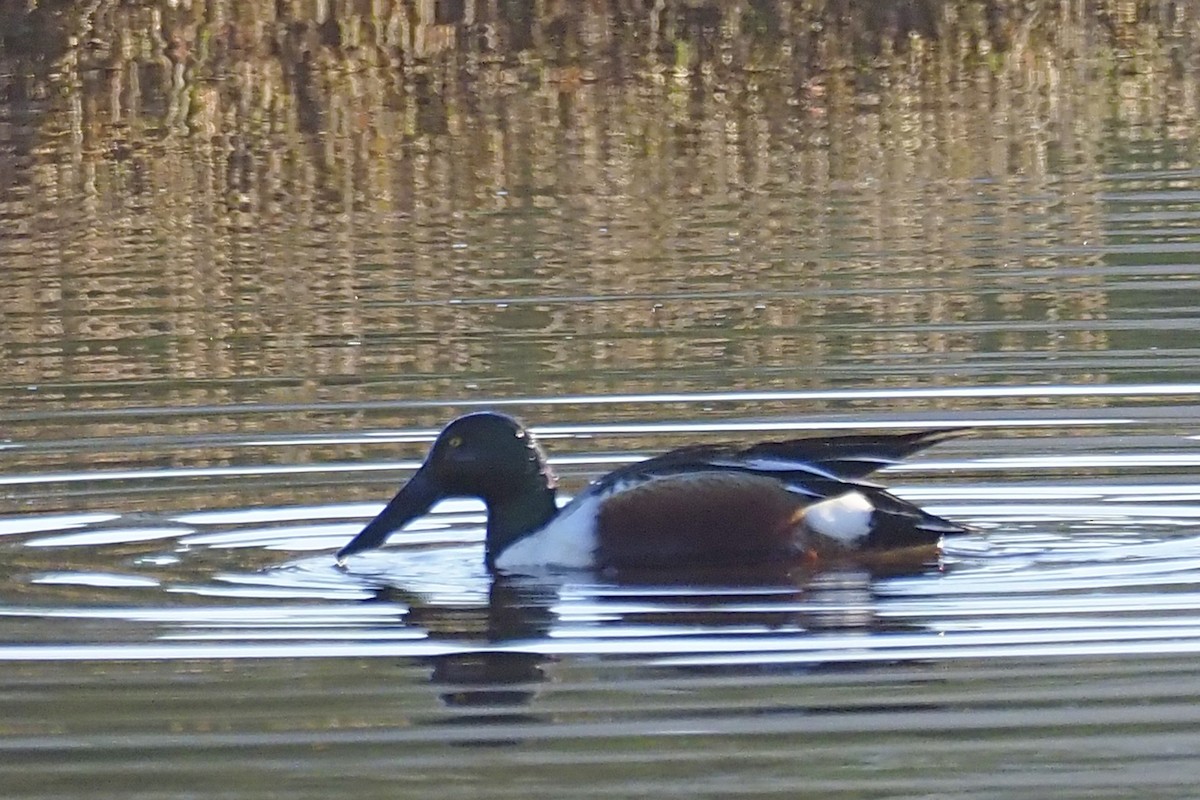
[254,260]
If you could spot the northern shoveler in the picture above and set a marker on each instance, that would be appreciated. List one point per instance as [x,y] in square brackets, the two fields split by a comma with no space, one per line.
[702,506]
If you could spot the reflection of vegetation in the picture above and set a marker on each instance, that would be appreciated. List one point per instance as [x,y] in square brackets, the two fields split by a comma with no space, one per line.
[291,192]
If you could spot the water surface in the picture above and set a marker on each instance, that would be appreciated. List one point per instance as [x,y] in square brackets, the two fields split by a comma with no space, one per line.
[256,258]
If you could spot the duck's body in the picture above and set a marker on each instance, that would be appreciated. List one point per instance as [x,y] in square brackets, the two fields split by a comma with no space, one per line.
[704,506]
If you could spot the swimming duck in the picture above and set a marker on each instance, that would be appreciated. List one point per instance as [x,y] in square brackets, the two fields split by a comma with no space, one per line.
[700,506]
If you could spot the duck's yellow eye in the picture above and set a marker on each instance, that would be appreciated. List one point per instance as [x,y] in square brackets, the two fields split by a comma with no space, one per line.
[454,441]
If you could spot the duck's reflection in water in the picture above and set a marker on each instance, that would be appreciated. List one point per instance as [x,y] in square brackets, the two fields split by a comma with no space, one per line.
[807,601]
[497,680]
[487,686]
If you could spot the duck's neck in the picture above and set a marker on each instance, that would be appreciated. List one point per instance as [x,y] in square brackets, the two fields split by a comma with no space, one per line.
[517,515]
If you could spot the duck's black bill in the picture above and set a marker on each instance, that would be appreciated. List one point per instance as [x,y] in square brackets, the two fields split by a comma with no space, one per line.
[417,496]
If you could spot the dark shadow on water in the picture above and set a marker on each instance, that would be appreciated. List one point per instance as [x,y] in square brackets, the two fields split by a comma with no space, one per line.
[809,600]
[486,687]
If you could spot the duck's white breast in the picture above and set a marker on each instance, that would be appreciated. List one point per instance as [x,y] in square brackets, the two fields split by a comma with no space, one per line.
[568,541]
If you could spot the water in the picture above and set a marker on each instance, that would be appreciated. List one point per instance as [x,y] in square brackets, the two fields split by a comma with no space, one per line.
[254,262]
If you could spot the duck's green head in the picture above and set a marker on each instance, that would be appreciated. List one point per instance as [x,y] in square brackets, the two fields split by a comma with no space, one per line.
[486,455]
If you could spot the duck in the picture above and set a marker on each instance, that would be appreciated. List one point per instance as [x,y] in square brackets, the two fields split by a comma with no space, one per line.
[800,500]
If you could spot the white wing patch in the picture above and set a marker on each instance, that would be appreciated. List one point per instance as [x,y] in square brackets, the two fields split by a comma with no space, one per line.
[776,465]
[846,519]
[568,541]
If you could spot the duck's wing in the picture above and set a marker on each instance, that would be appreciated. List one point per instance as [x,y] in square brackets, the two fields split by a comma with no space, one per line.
[846,458]
[818,467]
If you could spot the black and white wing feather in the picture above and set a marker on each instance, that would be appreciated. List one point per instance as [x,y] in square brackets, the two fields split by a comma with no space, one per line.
[816,467]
